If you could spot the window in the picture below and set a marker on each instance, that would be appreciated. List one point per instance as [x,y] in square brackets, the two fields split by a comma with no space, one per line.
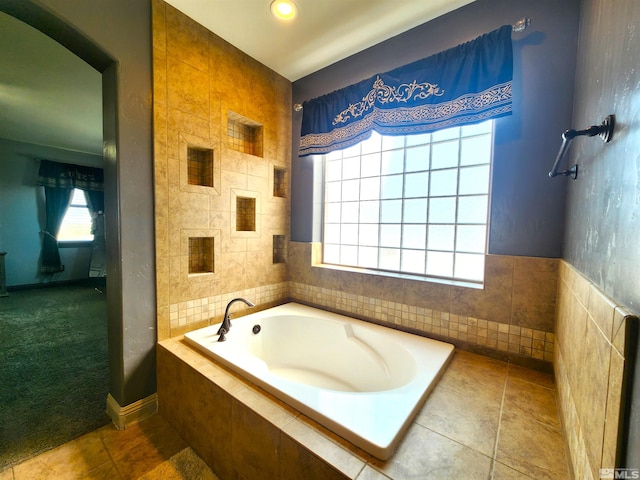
[76,224]
[415,204]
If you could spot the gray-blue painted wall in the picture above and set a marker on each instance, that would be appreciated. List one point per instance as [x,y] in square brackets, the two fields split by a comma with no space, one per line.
[527,208]
[603,206]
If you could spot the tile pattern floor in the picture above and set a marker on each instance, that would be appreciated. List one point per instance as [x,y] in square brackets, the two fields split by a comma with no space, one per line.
[149,450]
[485,419]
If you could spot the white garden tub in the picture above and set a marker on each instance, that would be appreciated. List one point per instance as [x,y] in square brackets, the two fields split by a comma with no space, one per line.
[363,381]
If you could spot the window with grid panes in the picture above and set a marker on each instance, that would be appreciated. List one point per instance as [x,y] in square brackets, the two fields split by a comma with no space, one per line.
[413,204]
[76,224]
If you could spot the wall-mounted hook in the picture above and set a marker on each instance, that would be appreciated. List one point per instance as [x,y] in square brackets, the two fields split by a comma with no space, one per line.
[604,131]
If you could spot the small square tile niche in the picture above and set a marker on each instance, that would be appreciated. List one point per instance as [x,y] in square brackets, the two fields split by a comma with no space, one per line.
[244,135]
[201,255]
[279,182]
[200,166]
[279,249]
[245,214]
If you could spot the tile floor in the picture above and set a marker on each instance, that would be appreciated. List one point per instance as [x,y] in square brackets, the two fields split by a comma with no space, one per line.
[149,450]
[485,419]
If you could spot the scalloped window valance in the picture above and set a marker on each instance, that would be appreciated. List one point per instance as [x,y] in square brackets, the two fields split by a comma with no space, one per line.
[67,175]
[463,85]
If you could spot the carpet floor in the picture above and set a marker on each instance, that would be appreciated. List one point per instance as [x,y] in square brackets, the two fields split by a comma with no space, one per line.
[54,369]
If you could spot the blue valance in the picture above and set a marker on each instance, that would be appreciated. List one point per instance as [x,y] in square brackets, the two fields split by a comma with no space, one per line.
[463,85]
[67,175]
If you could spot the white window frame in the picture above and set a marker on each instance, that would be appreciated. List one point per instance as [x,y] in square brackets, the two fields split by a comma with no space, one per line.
[456,165]
[76,225]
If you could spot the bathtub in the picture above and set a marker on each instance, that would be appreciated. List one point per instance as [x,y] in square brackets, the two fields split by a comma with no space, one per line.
[363,381]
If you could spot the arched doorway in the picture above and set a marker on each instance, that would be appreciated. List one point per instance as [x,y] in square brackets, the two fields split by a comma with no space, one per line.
[123,29]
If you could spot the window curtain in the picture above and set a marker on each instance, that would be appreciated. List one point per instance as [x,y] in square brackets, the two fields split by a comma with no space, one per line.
[95,202]
[56,203]
[59,180]
[460,86]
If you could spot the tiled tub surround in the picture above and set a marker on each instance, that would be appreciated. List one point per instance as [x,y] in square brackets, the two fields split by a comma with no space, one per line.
[471,331]
[337,370]
[206,95]
[201,312]
[589,366]
[512,317]
[465,331]
[485,419]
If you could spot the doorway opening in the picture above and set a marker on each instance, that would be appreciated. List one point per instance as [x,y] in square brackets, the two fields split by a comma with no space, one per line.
[53,326]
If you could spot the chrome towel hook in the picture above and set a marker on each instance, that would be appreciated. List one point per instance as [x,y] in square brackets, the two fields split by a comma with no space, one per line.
[604,131]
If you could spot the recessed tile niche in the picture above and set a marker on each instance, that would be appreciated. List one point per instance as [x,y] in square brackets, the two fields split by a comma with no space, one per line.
[245,214]
[200,166]
[279,182]
[244,135]
[279,249]
[201,256]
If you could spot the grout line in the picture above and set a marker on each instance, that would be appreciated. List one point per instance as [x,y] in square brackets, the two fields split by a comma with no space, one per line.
[440,434]
[495,447]
[115,467]
[361,470]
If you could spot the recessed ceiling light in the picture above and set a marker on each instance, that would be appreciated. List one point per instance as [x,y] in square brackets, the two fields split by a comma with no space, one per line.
[284,9]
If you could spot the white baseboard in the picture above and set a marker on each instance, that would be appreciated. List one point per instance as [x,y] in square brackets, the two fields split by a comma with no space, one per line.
[132,413]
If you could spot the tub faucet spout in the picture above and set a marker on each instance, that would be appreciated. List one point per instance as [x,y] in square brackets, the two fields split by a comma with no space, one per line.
[226,321]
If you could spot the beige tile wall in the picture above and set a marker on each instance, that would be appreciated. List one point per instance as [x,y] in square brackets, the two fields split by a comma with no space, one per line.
[589,364]
[511,317]
[199,80]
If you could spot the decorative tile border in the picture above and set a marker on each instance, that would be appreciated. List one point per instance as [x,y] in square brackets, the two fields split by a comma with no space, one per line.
[527,342]
[184,314]
[503,337]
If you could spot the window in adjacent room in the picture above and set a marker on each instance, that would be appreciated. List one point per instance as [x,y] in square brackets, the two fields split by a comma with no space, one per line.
[413,204]
[76,224]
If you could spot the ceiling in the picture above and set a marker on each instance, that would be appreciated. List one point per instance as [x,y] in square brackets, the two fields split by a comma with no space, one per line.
[323,32]
[50,97]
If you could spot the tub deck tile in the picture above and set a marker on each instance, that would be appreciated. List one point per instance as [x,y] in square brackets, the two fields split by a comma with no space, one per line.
[332,449]
[254,447]
[469,420]
[531,448]
[270,408]
[426,455]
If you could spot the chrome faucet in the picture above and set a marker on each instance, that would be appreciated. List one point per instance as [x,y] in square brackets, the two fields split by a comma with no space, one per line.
[226,321]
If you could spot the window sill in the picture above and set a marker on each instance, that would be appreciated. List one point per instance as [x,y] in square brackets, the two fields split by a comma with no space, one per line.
[75,244]
[404,276]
